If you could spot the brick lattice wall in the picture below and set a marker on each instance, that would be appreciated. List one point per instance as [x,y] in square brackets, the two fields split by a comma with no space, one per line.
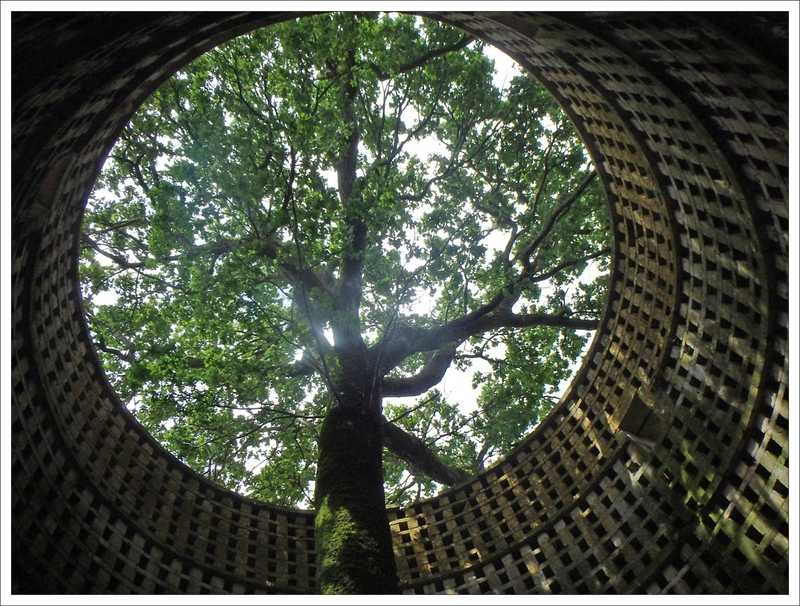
[663,470]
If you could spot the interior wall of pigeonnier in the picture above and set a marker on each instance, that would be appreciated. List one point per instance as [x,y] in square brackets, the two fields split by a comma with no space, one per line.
[664,469]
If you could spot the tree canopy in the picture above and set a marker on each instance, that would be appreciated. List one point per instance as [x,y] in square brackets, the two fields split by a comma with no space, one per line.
[336,194]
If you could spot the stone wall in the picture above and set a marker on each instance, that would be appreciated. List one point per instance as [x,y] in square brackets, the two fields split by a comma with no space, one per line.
[663,470]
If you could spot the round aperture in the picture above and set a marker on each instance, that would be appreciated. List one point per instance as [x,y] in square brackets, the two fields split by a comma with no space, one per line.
[368,211]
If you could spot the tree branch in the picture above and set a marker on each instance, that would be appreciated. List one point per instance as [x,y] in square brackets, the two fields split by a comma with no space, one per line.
[129,357]
[120,225]
[421,60]
[569,263]
[137,169]
[430,375]
[412,339]
[419,457]
[509,320]
[346,329]
[555,216]
[118,259]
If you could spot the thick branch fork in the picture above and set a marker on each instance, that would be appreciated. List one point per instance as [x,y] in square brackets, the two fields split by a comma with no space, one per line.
[415,340]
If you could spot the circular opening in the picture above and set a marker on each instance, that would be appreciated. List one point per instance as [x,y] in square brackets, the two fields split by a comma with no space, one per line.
[337,199]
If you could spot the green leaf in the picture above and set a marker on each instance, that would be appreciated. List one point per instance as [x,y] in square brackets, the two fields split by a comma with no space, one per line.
[246,276]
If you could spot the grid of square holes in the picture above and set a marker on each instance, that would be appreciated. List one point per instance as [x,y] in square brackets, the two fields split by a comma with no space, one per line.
[703,172]
[617,533]
[161,502]
[569,510]
[725,292]
[212,540]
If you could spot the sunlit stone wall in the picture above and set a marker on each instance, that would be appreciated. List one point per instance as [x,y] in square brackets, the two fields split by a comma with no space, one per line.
[663,470]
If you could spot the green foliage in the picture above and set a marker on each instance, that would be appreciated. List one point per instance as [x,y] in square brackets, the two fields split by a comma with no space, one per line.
[338,175]
[447,430]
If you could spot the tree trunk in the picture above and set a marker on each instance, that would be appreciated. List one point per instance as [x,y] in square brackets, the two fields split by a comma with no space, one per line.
[353,541]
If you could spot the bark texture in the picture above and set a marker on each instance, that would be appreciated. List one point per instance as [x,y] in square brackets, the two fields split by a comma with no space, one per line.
[354,544]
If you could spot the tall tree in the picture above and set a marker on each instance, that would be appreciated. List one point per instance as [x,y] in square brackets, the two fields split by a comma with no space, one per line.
[305,229]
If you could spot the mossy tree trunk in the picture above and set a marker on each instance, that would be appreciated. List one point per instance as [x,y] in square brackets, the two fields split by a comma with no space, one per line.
[353,541]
